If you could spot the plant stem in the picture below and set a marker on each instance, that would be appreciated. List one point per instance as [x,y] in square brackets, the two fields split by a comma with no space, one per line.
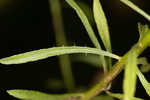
[136,8]
[64,60]
[116,69]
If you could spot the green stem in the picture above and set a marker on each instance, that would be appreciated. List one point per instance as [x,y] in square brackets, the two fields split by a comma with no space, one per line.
[64,60]
[116,69]
[136,8]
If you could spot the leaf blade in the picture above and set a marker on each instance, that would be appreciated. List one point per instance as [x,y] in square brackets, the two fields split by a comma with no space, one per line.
[88,28]
[101,23]
[144,82]
[136,8]
[36,95]
[102,26]
[120,96]
[85,21]
[55,51]
[129,84]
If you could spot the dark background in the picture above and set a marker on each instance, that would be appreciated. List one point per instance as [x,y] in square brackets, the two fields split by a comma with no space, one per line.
[26,25]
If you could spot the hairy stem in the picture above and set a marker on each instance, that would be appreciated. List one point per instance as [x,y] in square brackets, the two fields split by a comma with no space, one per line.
[116,69]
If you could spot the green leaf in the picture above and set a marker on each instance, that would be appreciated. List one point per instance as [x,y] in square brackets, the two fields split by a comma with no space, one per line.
[88,27]
[55,51]
[129,84]
[102,97]
[136,8]
[35,95]
[143,29]
[90,59]
[120,96]
[144,82]
[145,66]
[85,21]
[101,23]
[142,61]
[102,26]
[87,10]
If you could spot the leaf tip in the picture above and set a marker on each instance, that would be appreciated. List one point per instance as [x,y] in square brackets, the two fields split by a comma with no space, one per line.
[12,92]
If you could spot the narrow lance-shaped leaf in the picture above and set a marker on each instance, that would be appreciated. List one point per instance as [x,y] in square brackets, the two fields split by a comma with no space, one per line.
[35,95]
[102,26]
[101,23]
[129,84]
[136,8]
[144,82]
[88,27]
[85,22]
[55,51]
[121,96]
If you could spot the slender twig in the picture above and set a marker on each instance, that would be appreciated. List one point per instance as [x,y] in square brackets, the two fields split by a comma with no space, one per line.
[61,40]
[116,69]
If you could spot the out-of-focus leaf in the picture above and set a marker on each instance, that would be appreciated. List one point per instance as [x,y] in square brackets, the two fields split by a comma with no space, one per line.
[103,97]
[5,3]
[121,96]
[90,59]
[142,61]
[144,82]
[54,84]
[129,84]
[35,95]
[55,51]
[64,61]
[136,8]
[145,66]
